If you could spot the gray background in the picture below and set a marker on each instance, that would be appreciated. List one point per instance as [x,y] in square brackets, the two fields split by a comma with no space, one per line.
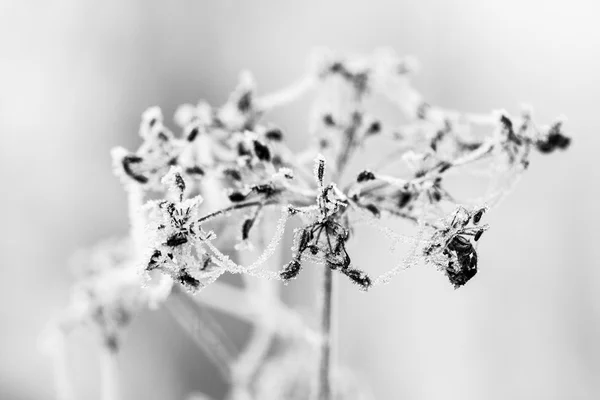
[75,76]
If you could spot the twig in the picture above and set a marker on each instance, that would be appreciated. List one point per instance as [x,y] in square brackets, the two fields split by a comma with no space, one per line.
[109,374]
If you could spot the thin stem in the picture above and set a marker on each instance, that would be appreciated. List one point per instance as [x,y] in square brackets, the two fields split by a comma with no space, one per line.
[231,301]
[260,294]
[203,330]
[62,380]
[109,374]
[286,95]
[324,389]
[215,214]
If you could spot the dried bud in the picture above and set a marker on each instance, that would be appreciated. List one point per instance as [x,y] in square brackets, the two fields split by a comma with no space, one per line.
[374,128]
[233,174]
[127,162]
[373,209]
[478,235]
[246,228]
[404,198]
[195,170]
[262,151]
[365,175]
[274,134]
[245,102]
[328,120]
[477,216]
[193,134]
[176,240]
[236,196]
[291,270]
[189,281]
[320,169]
[358,277]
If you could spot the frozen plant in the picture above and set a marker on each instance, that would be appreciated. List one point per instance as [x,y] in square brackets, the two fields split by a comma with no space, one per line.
[201,201]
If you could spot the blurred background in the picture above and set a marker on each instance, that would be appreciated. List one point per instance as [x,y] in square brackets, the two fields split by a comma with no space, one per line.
[75,76]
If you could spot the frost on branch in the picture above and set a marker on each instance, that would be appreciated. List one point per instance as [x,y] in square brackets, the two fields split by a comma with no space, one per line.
[177,242]
[228,166]
[324,239]
[250,164]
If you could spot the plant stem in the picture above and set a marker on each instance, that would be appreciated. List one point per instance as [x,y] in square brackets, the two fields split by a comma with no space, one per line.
[324,389]
[109,374]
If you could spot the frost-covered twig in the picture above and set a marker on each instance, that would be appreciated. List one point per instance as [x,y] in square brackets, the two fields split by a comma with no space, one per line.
[228,169]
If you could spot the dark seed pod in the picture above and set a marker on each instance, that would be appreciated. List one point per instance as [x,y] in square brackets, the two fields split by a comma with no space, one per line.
[236,196]
[364,176]
[127,162]
[328,120]
[337,67]
[274,134]
[477,216]
[478,235]
[245,102]
[187,280]
[358,277]
[246,228]
[320,171]
[466,271]
[544,147]
[436,195]
[176,240]
[506,122]
[153,262]
[443,166]
[266,189]
[262,151]
[195,170]
[404,199]
[193,134]
[373,209]
[291,270]
[233,174]
[460,244]
[563,142]
[179,182]
[374,128]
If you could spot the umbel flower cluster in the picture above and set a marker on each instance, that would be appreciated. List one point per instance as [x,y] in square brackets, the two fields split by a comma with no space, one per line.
[229,176]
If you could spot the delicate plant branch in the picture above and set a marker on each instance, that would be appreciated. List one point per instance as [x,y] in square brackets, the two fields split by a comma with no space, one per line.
[240,167]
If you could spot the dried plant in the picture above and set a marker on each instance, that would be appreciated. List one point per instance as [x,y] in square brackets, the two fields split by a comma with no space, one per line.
[230,177]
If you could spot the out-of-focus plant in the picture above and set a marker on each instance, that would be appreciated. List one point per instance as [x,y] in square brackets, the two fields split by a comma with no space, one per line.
[230,177]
